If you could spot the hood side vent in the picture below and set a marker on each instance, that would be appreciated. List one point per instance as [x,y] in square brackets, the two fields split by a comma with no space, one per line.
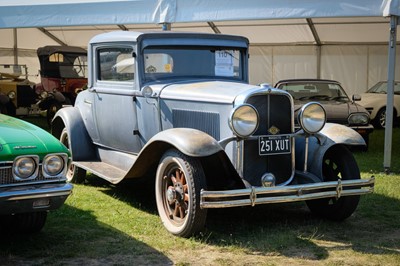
[207,122]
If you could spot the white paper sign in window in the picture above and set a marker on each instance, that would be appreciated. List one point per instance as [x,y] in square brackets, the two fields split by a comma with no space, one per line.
[224,63]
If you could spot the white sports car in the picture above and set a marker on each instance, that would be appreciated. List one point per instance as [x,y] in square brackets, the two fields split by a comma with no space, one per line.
[374,100]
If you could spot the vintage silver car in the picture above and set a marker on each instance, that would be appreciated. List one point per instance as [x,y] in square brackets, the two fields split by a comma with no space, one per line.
[177,108]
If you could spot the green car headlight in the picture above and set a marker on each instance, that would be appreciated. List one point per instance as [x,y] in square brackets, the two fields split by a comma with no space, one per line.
[244,120]
[358,119]
[312,117]
[25,167]
[53,165]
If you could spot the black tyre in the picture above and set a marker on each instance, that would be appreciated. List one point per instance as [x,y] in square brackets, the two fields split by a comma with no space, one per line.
[338,163]
[30,222]
[74,174]
[8,109]
[179,180]
[52,110]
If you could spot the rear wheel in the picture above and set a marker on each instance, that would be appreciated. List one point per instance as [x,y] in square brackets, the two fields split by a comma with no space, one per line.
[179,180]
[74,174]
[338,163]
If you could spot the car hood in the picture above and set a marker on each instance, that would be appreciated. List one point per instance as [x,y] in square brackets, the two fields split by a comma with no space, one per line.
[208,91]
[368,98]
[18,137]
[335,111]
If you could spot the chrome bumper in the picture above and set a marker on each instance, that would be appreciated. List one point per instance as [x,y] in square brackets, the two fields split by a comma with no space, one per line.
[265,195]
[21,199]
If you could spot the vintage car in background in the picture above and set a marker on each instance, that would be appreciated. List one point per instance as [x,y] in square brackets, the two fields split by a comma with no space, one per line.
[33,167]
[338,106]
[17,93]
[177,108]
[63,74]
[375,99]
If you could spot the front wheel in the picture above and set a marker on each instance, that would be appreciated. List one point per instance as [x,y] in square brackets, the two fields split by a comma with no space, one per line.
[179,180]
[380,119]
[74,174]
[31,222]
[338,163]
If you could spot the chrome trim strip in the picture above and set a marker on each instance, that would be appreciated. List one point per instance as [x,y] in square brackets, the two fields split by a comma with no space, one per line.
[281,194]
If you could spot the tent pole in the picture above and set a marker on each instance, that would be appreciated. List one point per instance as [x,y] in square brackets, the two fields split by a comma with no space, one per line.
[390,94]
[15,46]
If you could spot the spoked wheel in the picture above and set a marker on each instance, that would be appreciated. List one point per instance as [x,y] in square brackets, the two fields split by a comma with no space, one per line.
[74,174]
[338,163]
[179,181]
[380,119]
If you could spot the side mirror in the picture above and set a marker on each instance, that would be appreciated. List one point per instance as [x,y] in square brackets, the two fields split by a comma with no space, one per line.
[356,97]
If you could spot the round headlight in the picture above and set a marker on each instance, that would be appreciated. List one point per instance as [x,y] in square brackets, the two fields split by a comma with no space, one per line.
[53,165]
[43,94]
[244,120]
[11,94]
[24,167]
[312,117]
[358,119]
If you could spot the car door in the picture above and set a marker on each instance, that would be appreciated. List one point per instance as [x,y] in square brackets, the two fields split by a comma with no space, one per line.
[114,104]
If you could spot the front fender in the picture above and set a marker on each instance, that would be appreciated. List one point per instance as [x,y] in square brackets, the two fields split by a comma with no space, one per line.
[80,143]
[330,135]
[192,142]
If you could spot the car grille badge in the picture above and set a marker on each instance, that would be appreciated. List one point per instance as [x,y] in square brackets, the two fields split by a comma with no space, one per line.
[273,130]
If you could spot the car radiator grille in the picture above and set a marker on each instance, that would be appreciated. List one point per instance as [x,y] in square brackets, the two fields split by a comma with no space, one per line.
[6,177]
[25,96]
[274,111]
[202,120]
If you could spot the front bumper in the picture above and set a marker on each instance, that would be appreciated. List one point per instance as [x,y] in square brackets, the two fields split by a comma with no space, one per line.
[363,130]
[292,193]
[30,198]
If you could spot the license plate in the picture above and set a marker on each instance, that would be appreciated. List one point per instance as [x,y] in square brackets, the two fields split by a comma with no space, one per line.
[271,145]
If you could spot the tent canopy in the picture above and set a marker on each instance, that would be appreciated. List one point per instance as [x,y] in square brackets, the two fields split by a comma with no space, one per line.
[43,13]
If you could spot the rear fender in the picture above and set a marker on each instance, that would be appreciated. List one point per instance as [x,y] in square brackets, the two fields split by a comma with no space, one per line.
[80,143]
[329,136]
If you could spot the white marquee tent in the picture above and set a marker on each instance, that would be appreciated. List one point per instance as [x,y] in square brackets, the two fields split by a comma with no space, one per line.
[352,41]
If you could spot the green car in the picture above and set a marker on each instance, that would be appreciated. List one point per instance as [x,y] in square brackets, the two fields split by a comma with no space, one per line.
[33,167]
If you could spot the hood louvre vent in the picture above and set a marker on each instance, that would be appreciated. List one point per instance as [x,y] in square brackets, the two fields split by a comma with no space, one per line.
[207,122]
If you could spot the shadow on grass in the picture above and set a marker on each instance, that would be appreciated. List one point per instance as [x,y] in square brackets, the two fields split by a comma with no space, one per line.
[288,230]
[74,237]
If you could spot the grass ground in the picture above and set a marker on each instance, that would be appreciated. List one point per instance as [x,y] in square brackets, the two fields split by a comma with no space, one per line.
[103,224]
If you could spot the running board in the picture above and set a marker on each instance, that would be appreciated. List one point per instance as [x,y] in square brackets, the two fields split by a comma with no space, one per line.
[103,170]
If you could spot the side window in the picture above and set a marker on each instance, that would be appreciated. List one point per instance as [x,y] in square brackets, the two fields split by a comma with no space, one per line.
[116,64]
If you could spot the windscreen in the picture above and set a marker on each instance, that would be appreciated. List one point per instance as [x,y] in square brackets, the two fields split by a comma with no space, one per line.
[304,91]
[193,62]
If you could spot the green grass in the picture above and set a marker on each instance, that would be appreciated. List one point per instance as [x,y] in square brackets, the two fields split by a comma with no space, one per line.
[104,224]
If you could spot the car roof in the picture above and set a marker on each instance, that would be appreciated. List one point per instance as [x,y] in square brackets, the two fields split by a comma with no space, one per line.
[49,49]
[134,36]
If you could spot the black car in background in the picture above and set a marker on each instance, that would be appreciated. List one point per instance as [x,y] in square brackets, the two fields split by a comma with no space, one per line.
[339,107]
